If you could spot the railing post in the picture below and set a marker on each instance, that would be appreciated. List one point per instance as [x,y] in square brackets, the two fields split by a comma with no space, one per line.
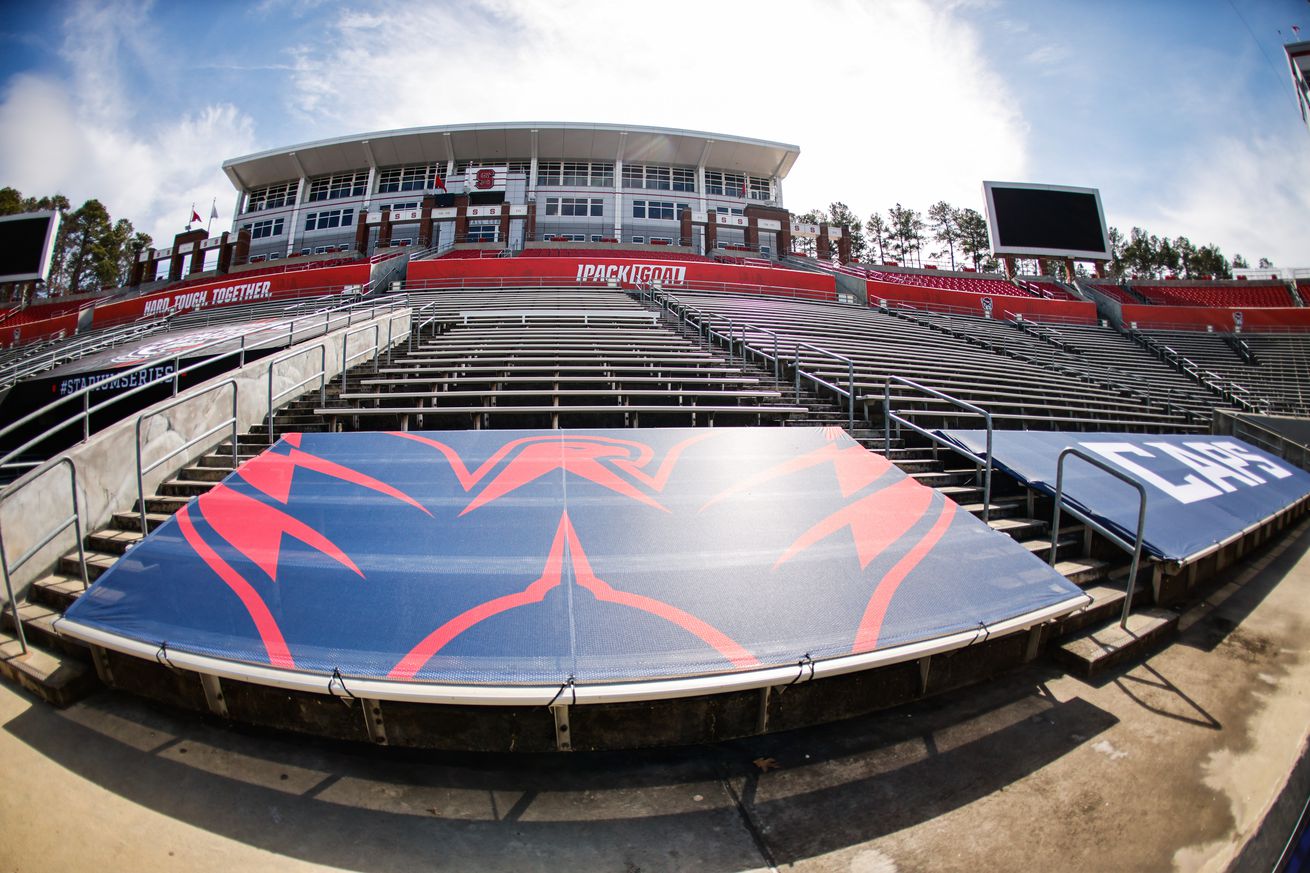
[850,386]
[77,524]
[13,604]
[1141,520]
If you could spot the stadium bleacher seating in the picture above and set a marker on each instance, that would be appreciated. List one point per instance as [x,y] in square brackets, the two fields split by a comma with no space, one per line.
[1115,292]
[552,252]
[561,358]
[458,254]
[1278,377]
[1049,289]
[1024,394]
[969,284]
[1253,294]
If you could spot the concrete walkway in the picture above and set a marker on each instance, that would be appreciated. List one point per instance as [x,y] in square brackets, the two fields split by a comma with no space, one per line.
[1172,764]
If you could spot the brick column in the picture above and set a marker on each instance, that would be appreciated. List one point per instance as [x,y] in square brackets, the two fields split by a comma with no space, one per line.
[138,270]
[241,251]
[462,219]
[384,229]
[425,223]
[1010,269]
[684,229]
[504,224]
[711,234]
[361,232]
[1068,270]
[224,254]
[784,240]
[824,245]
[844,247]
[531,233]
[752,234]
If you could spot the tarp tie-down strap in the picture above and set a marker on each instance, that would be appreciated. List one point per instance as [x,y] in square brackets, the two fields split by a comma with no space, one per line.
[345,696]
[570,685]
[805,661]
[162,656]
[986,634]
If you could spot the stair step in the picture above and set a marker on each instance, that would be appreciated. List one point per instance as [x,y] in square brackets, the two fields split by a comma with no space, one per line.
[58,590]
[39,627]
[96,564]
[200,473]
[58,679]
[115,541]
[1083,570]
[184,487]
[132,520]
[944,478]
[162,504]
[1099,648]
[999,509]
[1041,546]
[1018,528]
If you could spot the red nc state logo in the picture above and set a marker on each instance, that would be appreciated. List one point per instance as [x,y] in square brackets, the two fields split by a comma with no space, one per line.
[485,180]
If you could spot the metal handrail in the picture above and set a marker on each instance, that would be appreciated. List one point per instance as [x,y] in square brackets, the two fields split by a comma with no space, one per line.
[1135,548]
[888,417]
[850,377]
[321,375]
[75,520]
[141,472]
[345,347]
[705,327]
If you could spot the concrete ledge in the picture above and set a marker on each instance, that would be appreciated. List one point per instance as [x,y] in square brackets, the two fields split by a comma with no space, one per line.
[1097,650]
[58,681]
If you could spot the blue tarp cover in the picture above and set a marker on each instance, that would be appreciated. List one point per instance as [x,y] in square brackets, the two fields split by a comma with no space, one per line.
[513,557]
[1200,490]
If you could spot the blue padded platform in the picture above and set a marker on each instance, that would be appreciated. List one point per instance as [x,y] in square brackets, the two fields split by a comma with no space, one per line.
[1200,490]
[527,557]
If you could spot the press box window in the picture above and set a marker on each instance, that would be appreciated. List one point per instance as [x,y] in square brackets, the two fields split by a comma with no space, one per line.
[266,228]
[329,218]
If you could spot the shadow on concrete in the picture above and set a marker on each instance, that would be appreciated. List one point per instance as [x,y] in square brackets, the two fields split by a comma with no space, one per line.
[1259,573]
[731,806]
[1154,693]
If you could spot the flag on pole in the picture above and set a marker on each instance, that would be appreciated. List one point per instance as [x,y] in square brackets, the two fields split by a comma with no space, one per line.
[438,182]
[195,216]
[213,210]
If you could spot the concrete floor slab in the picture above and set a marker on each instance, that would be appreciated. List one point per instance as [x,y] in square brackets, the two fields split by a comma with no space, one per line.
[1168,764]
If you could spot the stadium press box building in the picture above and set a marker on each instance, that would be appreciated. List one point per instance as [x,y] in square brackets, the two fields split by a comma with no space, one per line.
[511,185]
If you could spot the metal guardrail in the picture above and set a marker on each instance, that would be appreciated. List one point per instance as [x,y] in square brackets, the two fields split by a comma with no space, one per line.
[321,375]
[1135,548]
[1232,424]
[83,416]
[74,520]
[888,417]
[230,421]
[705,327]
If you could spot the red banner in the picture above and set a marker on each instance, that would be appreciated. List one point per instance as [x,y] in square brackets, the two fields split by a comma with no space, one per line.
[1033,308]
[30,331]
[232,290]
[1221,318]
[627,272]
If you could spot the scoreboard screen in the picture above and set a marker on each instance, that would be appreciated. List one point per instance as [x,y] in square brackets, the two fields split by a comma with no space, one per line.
[1046,220]
[26,243]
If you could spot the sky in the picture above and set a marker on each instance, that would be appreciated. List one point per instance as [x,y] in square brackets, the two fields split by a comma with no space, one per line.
[1181,113]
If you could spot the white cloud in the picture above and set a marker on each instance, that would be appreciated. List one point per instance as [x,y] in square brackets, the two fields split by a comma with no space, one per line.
[1250,195]
[89,135]
[888,102]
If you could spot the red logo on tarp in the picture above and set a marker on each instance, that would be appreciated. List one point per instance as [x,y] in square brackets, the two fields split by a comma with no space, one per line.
[485,179]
